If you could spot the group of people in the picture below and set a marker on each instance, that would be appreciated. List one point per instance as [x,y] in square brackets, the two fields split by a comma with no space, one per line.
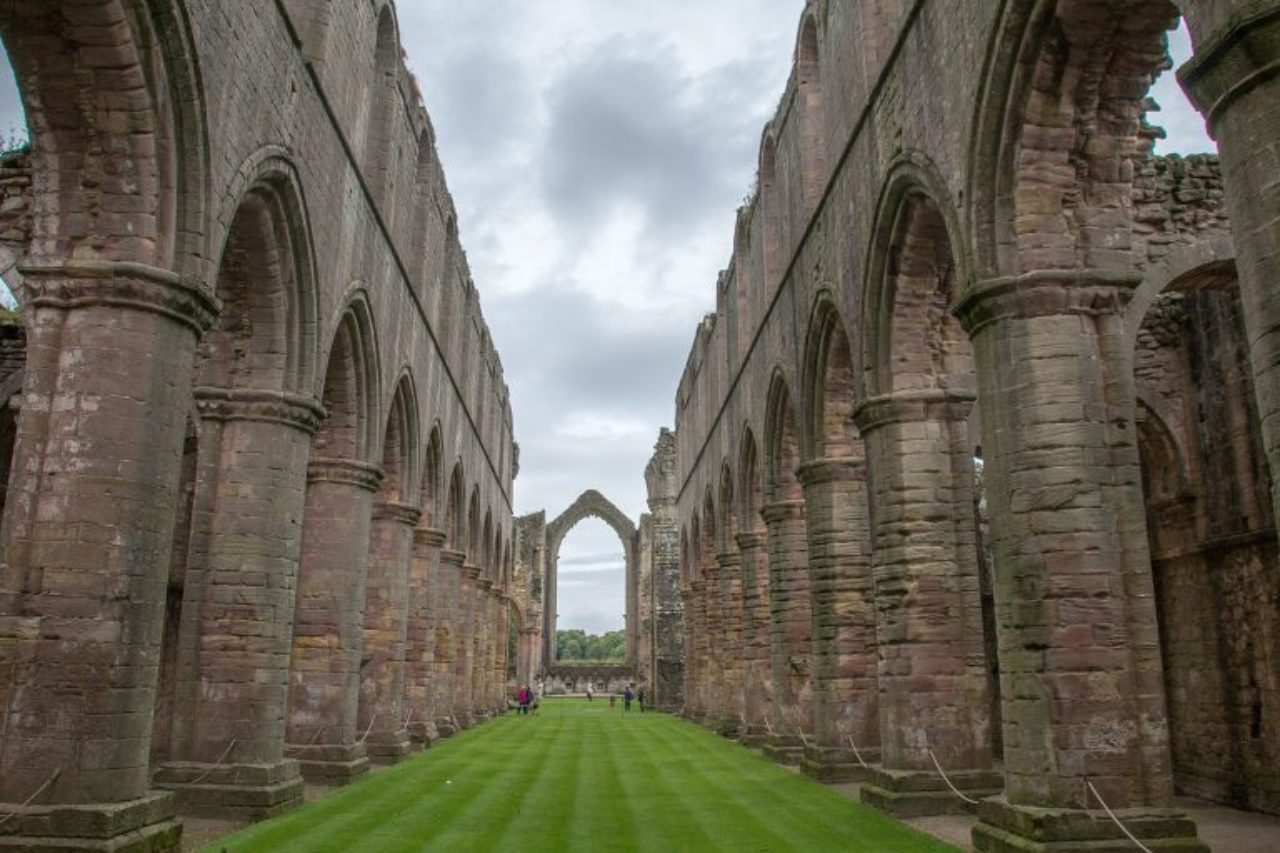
[527,699]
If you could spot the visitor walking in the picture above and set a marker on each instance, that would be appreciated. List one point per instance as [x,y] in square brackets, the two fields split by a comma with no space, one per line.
[588,692]
[524,697]
[613,698]
[640,696]
[627,696]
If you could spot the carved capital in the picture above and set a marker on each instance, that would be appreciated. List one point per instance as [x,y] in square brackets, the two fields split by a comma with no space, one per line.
[450,557]
[729,559]
[905,407]
[304,414]
[820,471]
[471,571]
[1239,56]
[778,512]
[405,514]
[486,584]
[749,542]
[139,287]
[350,472]
[429,537]
[1045,293]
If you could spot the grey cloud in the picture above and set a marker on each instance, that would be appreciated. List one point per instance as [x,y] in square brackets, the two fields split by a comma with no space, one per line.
[624,129]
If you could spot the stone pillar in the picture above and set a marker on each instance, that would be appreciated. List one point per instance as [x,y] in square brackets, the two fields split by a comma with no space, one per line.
[482,671]
[386,623]
[757,681]
[729,604]
[448,628]
[236,630]
[1234,80]
[842,600]
[88,530]
[791,629]
[328,632]
[463,696]
[696,694]
[934,699]
[1082,687]
[712,679]
[425,594]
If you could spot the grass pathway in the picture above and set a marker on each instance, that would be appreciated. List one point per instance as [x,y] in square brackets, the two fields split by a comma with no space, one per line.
[579,776]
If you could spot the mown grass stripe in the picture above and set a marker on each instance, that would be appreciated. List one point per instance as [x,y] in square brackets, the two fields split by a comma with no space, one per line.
[581,777]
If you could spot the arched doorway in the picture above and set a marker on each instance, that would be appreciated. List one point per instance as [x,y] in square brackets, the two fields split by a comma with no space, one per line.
[591,504]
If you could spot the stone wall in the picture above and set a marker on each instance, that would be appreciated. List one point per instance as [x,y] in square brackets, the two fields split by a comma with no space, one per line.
[259,518]
[931,272]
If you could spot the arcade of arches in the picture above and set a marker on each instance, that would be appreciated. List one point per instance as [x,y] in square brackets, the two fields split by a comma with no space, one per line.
[975,455]
[972,467]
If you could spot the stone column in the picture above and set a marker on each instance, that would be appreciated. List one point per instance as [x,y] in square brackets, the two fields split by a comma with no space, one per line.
[236,630]
[696,698]
[88,530]
[386,623]
[482,671]
[1082,687]
[791,629]
[1234,80]
[757,685]
[712,679]
[328,632]
[463,696]
[934,699]
[842,599]
[448,629]
[425,595]
[730,640]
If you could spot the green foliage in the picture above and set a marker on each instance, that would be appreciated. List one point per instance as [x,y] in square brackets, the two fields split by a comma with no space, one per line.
[577,645]
[577,776]
[13,141]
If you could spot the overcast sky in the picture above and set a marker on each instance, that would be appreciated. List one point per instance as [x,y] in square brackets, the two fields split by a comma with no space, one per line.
[596,153]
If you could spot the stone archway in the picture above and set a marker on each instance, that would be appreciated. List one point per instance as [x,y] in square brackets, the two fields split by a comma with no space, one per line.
[592,504]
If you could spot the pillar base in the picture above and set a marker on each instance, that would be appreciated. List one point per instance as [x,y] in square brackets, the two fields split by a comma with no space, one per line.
[390,747]
[832,765]
[921,793]
[144,825]
[1004,828]
[330,764]
[463,720]
[446,727]
[424,734]
[752,735]
[786,750]
[243,792]
[725,725]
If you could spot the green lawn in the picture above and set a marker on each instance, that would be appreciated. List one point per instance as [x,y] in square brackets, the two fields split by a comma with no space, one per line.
[578,776]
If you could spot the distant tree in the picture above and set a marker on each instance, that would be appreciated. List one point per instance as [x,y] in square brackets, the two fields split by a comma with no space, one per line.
[577,645]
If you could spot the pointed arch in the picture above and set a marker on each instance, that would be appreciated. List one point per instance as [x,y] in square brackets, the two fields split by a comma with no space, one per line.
[352,386]
[813,158]
[475,545]
[401,443]
[1073,73]
[265,336]
[773,262]
[455,509]
[830,385]
[132,190]
[729,523]
[432,482]
[913,280]
[383,97]
[782,461]
[750,493]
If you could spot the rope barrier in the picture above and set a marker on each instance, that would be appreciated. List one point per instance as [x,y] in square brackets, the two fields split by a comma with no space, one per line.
[856,754]
[315,737]
[31,799]
[371,722]
[206,774]
[803,739]
[1113,817]
[768,726]
[953,788]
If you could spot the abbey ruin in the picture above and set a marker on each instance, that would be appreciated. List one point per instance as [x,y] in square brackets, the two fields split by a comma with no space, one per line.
[971,472]
[975,454]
